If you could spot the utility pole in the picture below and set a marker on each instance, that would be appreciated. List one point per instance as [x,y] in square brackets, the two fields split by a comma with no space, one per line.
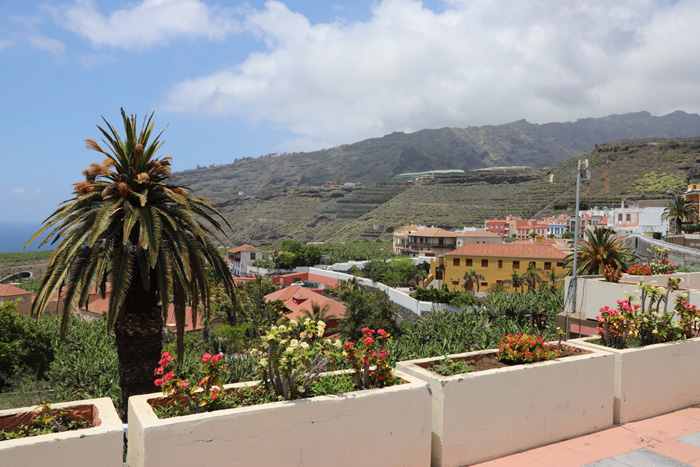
[581,172]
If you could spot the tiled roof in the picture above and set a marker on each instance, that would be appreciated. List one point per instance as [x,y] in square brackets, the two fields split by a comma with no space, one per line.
[509,250]
[483,233]
[432,232]
[307,297]
[243,248]
[10,290]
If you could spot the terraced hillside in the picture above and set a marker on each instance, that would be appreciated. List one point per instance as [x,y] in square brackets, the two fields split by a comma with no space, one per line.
[625,170]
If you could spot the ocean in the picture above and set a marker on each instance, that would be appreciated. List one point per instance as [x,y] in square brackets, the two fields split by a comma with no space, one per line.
[13,236]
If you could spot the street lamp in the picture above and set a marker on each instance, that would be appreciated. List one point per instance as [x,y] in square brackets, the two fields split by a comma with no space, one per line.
[581,172]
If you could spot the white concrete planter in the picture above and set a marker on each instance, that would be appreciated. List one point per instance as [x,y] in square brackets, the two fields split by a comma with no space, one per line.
[388,426]
[100,445]
[655,379]
[487,414]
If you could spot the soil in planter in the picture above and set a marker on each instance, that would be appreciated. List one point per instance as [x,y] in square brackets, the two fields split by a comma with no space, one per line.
[45,420]
[489,361]
[166,407]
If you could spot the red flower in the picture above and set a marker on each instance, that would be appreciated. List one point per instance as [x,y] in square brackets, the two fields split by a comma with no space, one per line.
[348,345]
[381,332]
[159,382]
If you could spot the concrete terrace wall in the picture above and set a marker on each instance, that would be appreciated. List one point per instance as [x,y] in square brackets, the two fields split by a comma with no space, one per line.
[593,292]
[678,254]
[400,298]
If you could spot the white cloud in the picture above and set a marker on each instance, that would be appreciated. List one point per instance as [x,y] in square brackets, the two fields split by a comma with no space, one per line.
[48,44]
[5,43]
[474,62]
[146,23]
[25,193]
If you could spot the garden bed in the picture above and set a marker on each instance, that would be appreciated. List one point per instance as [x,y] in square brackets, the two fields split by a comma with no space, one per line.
[390,426]
[654,379]
[103,440]
[482,415]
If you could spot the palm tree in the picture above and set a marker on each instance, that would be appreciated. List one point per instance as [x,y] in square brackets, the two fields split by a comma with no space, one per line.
[553,276]
[472,277]
[127,226]
[680,210]
[532,276]
[600,248]
[318,312]
[516,280]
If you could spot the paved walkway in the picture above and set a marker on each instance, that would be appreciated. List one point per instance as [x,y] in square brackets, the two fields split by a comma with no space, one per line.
[671,440]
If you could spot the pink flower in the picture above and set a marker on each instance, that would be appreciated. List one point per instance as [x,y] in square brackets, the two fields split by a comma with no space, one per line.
[381,332]
[158,371]
[170,375]
[217,357]
[159,382]
[214,397]
[365,329]
[215,389]
[369,340]
[348,345]
[206,357]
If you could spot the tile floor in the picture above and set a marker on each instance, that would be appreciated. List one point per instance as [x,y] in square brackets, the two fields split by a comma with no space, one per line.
[671,440]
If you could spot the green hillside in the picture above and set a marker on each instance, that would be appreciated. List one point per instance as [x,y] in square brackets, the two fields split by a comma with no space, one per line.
[627,170]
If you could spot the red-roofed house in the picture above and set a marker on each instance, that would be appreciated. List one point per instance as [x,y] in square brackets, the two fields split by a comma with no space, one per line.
[21,298]
[496,262]
[297,299]
[240,258]
[430,241]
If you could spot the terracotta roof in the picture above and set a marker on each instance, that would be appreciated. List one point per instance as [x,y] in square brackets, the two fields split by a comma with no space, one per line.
[509,250]
[243,248]
[100,306]
[10,290]
[297,299]
[484,233]
[432,232]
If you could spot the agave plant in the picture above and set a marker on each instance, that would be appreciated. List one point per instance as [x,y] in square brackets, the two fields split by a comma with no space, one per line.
[130,230]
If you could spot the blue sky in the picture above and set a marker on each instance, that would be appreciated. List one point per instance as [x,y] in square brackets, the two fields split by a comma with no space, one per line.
[237,79]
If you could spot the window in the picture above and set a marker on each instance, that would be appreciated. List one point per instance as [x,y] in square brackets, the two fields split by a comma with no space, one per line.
[455,262]
[455,282]
[500,264]
[484,263]
[560,265]
[628,217]
[468,262]
[547,266]
[484,284]
[516,264]
[252,256]
[619,218]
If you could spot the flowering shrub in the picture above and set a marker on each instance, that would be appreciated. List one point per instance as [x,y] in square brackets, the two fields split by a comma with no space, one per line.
[654,323]
[689,317]
[663,267]
[612,274]
[650,321]
[194,396]
[639,270]
[616,325]
[292,356]
[368,359]
[525,348]
[661,264]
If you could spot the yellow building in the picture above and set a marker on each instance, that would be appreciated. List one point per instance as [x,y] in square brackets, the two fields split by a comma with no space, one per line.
[496,262]
[21,298]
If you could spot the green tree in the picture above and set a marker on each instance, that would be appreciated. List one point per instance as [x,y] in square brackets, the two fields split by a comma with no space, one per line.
[600,248]
[533,276]
[472,277]
[23,347]
[129,226]
[318,312]
[516,280]
[371,308]
[680,210]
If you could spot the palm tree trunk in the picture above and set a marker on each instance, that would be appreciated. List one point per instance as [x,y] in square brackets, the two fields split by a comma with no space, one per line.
[139,340]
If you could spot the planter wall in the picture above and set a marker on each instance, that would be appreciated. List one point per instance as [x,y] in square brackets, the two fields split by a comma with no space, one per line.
[388,426]
[655,379]
[100,445]
[483,415]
